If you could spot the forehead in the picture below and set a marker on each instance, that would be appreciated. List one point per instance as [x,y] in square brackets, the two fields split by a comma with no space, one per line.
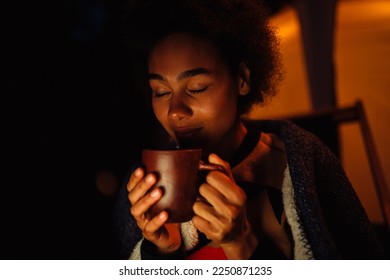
[184,51]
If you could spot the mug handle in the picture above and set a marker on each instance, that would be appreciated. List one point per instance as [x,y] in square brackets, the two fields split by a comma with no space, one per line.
[211,167]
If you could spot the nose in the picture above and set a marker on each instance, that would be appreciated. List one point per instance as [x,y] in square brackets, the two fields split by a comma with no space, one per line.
[179,108]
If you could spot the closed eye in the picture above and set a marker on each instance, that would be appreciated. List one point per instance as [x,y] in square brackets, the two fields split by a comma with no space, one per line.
[196,91]
[160,94]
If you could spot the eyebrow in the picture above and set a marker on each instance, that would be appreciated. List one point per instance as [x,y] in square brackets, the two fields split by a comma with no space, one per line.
[183,75]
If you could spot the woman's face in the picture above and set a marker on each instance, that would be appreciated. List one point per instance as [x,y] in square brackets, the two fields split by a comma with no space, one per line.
[194,95]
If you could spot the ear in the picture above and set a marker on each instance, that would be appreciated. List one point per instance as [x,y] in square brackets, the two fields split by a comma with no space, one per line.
[244,81]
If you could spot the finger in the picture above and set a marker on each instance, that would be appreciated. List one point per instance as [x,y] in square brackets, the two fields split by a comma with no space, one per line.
[206,212]
[202,225]
[139,208]
[231,193]
[222,217]
[216,227]
[152,227]
[142,188]
[226,187]
[224,209]
[215,159]
[212,231]
[212,196]
[135,178]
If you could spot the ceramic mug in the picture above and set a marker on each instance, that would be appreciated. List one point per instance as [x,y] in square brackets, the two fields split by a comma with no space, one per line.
[179,174]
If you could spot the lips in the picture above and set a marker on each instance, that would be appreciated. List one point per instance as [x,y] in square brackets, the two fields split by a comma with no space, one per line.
[187,132]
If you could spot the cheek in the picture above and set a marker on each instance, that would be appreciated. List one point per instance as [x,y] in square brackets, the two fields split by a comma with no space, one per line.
[226,106]
[159,111]
[219,116]
[161,114]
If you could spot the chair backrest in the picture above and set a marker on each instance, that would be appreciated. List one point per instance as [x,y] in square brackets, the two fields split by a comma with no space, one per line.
[325,123]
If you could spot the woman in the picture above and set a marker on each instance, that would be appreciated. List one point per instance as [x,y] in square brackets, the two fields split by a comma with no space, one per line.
[284,195]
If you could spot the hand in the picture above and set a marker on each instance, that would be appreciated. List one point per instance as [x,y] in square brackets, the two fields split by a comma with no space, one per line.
[222,217]
[165,236]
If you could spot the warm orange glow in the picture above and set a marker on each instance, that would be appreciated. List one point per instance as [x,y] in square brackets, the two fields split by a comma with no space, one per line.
[362,60]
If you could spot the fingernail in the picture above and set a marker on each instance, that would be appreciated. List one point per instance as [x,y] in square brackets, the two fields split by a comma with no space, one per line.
[155,193]
[150,179]
[138,172]
[162,216]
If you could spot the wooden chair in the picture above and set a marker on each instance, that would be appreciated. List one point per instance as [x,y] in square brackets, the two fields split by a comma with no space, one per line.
[325,124]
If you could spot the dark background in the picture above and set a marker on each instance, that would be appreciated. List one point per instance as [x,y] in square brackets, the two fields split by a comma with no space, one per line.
[68,112]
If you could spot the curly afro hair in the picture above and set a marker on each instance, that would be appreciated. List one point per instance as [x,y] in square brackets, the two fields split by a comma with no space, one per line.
[239,29]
